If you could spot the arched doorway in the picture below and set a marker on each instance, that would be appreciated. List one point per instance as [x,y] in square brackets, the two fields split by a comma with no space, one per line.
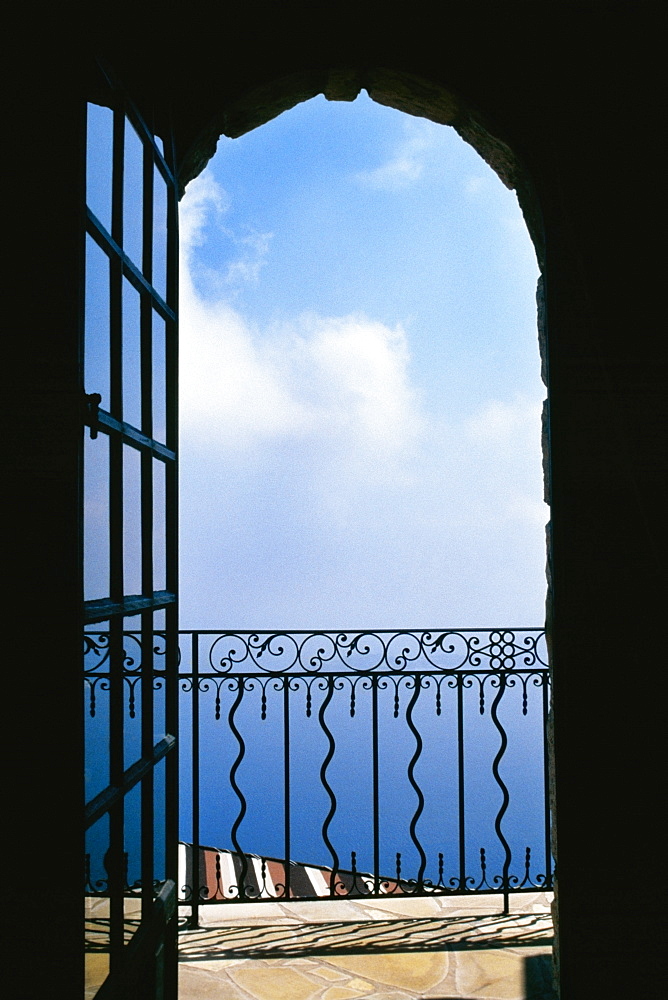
[211,426]
[92,420]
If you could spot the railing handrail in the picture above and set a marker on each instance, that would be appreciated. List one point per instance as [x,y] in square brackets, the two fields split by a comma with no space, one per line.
[354,631]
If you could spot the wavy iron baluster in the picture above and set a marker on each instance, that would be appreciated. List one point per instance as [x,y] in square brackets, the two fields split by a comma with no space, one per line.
[501,678]
[416,787]
[233,772]
[323,778]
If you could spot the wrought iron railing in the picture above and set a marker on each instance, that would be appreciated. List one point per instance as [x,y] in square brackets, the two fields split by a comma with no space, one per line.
[336,764]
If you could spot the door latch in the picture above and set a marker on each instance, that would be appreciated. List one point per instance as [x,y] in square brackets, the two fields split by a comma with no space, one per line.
[92,407]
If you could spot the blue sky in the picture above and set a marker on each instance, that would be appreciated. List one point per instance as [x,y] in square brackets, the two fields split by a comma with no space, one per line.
[360,390]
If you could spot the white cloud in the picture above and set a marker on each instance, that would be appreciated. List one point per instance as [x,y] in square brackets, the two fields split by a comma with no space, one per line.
[317,376]
[246,270]
[407,162]
[204,198]
[319,493]
[328,378]
[206,203]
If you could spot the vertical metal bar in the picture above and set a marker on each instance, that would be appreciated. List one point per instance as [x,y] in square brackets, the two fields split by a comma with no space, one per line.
[376,792]
[148,664]
[147,461]
[460,782]
[147,212]
[171,329]
[114,859]
[171,827]
[116,371]
[116,719]
[147,702]
[146,377]
[148,783]
[286,781]
[172,571]
[546,782]
[79,841]
[194,912]
[115,517]
[116,277]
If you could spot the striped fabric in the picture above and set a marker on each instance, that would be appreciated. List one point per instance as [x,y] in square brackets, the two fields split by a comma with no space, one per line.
[219,874]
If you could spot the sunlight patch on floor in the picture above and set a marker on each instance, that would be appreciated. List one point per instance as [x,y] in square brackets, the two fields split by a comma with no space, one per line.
[414,949]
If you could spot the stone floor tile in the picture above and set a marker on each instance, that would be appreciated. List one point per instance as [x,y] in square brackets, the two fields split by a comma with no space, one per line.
[421,907]
[245,913]
[347,992]
[97,970]
[494,974]
[277,983]
[515,972]
[217,966]
[333,975]
[479,904]
[360,985]
[417,971]
[327,911]
[198,984]
[394,995]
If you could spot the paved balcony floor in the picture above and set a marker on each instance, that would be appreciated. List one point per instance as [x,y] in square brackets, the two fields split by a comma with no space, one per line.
[380,949]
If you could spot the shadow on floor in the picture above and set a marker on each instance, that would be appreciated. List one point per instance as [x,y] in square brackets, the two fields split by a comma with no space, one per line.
[539,978]
[364,936]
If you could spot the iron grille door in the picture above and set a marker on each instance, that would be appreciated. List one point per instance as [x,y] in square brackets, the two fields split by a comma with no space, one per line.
[130,553]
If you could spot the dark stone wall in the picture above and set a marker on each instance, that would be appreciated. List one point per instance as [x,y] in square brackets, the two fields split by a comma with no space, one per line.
[563,100]
[42,723]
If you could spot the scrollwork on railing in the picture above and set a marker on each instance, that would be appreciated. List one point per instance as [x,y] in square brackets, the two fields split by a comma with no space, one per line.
[96,650]
[369,651]
[215,686]
[127,661]
[362,652]
[267,879]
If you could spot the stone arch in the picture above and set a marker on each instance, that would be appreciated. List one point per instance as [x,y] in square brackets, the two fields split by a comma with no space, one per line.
[414,95]
[398,89]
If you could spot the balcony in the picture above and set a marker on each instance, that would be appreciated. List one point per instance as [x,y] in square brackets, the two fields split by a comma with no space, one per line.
[364,813]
